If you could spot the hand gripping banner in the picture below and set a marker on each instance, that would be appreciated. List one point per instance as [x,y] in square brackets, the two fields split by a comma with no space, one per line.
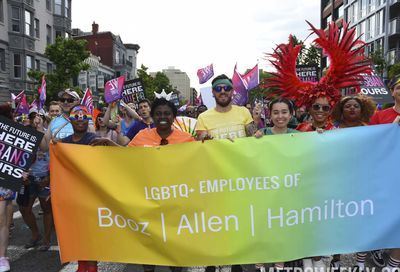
[265,200]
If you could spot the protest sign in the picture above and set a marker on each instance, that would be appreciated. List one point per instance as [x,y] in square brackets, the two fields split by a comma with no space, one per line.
[18,145]
[265,200]
[113,89]
[373,86]
[133,91]
[307,72]
[175,99]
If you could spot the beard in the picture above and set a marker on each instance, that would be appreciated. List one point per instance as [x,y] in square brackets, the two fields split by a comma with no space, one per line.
[223,103]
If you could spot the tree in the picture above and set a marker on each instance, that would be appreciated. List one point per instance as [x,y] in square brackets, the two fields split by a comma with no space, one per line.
[260,92]
[153,84]
[298,42]
[68,56]
[394,70]
[378,59]
[312,56]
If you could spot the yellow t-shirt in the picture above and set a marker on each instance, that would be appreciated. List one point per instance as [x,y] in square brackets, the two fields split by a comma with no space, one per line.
[222,125]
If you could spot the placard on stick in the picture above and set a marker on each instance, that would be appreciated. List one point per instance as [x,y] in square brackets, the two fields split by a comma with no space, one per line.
[18,146]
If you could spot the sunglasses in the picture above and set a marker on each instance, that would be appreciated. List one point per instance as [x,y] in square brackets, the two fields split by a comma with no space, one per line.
[163,142]
[318,107]
[69,100]
[77,117]
[226,88]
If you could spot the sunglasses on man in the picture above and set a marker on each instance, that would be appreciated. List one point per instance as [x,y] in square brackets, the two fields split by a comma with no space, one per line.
[69,100]
[318,107]
[226,88]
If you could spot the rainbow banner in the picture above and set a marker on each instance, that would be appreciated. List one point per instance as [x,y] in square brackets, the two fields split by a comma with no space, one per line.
[272,199]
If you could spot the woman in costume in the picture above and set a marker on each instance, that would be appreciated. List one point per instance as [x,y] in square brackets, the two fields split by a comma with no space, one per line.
[347,64]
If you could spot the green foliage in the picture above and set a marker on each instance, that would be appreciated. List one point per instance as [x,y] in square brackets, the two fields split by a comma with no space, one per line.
[394,70]
[312,56]
[260,92]
[378,59]
[307,56]
[153,84]
[68,57]
[301,53]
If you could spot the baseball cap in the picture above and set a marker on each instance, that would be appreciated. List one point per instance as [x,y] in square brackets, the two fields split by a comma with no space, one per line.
[71,93]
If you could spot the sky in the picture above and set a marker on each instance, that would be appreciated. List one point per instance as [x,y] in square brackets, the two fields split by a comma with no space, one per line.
[189,35]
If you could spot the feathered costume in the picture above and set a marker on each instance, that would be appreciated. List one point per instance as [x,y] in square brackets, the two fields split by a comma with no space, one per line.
[347,64]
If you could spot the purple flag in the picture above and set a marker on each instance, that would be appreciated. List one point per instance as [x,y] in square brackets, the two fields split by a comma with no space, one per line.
[23,106]
[252,78]
[240,93]
[42,94]
[205,73]
[113,89]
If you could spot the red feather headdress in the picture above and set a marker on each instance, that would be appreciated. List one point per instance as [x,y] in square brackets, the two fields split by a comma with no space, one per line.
[347,64]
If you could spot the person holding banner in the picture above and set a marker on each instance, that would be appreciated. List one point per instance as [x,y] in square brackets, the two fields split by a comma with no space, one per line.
[79,118]
[390,115]
[6,209]
[347,66]
[353,111]
[163,113]
[281,113]
[225,121]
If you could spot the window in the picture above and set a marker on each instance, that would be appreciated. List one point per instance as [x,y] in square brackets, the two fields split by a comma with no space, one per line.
[15,19]
[58,33]
[36,26]
[48,5]
[49,68]
[37,65]
[67,3]
[28,23]
[29,64]
[48,34]
[1,11]
[117,57]
[57,7]
[340,11]
[362,5]
[17,66]
[2,59]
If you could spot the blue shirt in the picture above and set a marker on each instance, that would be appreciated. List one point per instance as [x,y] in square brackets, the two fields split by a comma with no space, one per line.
[138,126]
[40,168]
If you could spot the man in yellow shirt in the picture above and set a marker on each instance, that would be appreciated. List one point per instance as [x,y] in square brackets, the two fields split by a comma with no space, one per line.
[225,121]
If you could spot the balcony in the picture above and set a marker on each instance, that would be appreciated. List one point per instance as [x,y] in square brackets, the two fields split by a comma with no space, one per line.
[394,26]
[394,2]
[393,56]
